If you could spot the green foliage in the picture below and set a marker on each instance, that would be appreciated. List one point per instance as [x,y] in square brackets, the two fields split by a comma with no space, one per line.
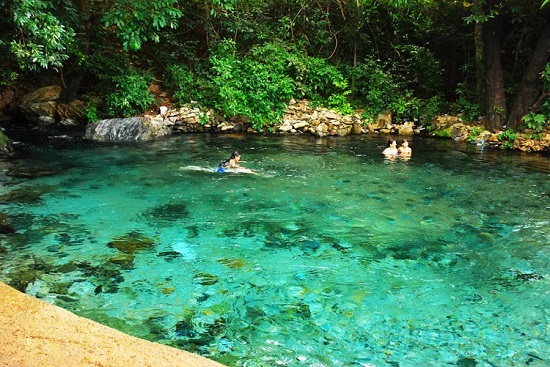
[256,86]
[431,108]
[474,133]
[7,77]
[260,84]
[181,81]
[317,79]
[130,94]
[445,133]
[419,69]
[91,112]
[378,89]
[464,105]
[43,40]
[340,103]
[507,138]
[222,6]
[138,21]
[534,121]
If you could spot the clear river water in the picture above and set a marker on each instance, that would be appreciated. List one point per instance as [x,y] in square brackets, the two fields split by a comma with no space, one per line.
[330,256]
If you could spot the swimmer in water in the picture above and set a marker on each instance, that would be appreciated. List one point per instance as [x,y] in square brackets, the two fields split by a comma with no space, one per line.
[232,162]
[404,150]
[391,148]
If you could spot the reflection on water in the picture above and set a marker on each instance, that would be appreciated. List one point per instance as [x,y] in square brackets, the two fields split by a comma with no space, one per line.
[331,256]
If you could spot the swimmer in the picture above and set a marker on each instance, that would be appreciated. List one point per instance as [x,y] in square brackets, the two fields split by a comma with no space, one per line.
[404,150]
[391,148]
[232,164]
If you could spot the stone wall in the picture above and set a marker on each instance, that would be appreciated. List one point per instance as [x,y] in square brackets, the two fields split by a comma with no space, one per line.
[299,118]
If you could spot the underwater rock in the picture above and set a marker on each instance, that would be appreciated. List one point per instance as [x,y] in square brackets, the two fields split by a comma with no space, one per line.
[167,290]
[169,255]
[167,214]
[313,245]
[342,247]
[26,195]
[5,228]
[184,328]
[126,261]
[233,263]
[82,289]
[106,275]
[38,289]
[131,243]
[466,362]
[205,278]
[30,172]
[23,277]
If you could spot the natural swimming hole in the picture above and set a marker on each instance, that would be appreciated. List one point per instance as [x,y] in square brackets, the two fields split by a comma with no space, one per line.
[331,256]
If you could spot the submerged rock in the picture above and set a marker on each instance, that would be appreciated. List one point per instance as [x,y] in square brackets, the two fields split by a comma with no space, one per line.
[126,261]
[466,362]
[205,278]
[5,228]
[27,195]
[131,243]
[167,214]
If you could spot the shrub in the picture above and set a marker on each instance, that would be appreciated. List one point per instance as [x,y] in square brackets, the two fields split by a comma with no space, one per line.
[130,94]
[474,133]
[256,86]
[534,121]
[180,79]
[445,133]
[507,138]
[468,110]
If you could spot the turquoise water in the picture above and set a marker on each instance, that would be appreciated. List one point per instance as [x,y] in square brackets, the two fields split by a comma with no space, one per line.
[330,256]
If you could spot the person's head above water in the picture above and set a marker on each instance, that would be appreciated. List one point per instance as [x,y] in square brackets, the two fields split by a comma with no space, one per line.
[391,142]
[235,154]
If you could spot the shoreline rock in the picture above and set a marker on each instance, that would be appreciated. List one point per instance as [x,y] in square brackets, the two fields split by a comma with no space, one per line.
[42,108]
[34,333]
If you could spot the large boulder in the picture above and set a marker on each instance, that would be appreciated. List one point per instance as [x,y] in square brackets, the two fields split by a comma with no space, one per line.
[40,105]
[41,113]
[128,129]
[44,94]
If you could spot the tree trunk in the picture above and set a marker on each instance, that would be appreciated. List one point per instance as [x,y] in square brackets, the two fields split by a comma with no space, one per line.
[480,53]
[73,77]
[529,88]
[495,116]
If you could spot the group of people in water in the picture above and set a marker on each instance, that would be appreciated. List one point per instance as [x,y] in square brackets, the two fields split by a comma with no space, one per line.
[392,150]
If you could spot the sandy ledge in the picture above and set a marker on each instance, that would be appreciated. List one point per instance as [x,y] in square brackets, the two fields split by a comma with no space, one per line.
[34,333]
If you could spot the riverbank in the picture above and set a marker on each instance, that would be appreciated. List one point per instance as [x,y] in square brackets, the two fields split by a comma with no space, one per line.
[42,109]
[34,333]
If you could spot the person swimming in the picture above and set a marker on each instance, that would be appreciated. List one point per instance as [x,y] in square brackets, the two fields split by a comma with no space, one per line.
[391,148]
[404,150]
[232,164]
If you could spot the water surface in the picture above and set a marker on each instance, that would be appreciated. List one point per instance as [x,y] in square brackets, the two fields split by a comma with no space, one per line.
[330,256]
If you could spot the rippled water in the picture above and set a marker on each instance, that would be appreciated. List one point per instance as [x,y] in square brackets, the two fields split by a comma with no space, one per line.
[331,256]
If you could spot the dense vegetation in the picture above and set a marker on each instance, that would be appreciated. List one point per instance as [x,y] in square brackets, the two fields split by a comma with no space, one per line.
[416,58]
